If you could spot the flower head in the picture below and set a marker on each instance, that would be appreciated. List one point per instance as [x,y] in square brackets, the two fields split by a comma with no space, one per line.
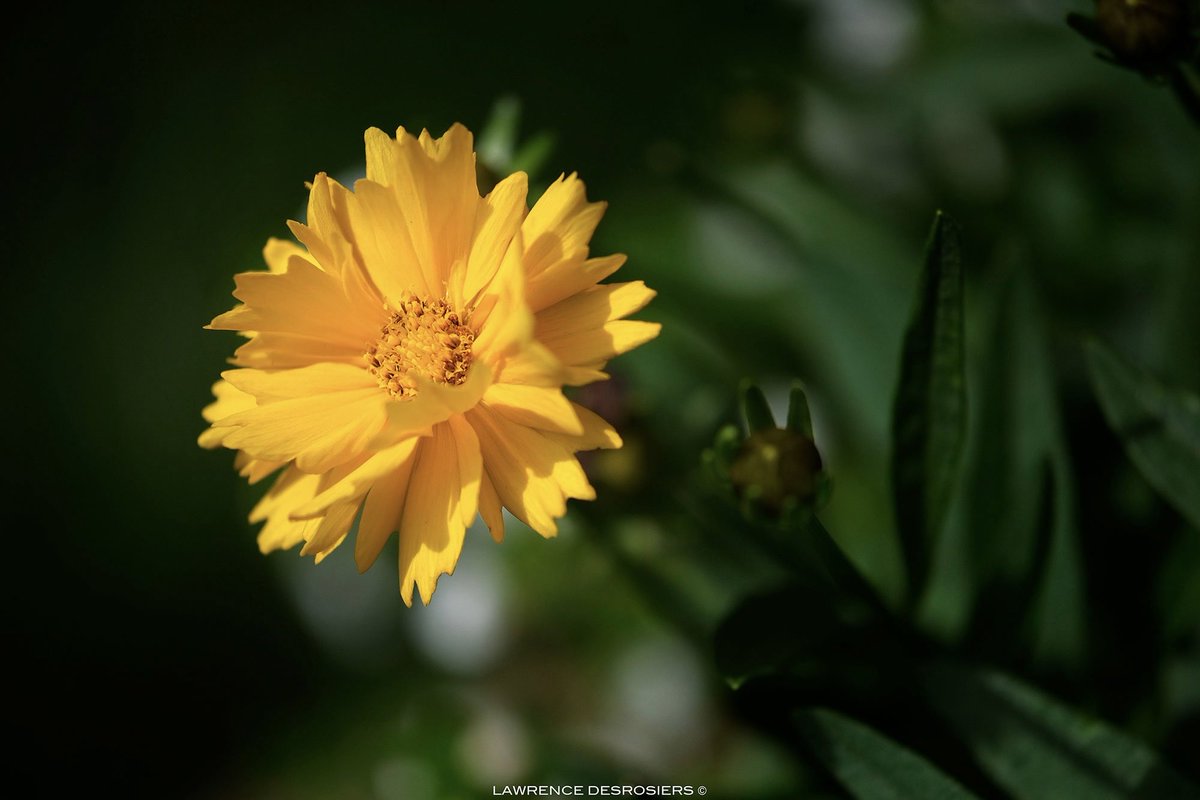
[404,362]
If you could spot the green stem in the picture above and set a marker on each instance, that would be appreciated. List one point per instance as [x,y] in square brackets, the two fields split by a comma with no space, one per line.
[843,570]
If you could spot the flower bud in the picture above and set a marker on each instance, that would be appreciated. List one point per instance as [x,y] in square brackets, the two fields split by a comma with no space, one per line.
[775,466]
[1144,31]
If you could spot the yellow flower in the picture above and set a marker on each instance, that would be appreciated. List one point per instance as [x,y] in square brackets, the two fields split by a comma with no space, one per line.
[405,363]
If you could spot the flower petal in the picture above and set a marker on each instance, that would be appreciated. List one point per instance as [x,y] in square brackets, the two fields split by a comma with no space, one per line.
[253,469]
[278,252]
[433,403]
[532,474]
[490,508]
[496,223]
[503,320]
[540,407]
[360,480]
[289,384]
[597,433]
[569,277]
[431,528]
[304,301]
[433,182]
[470,467]
[318,431]
[229,400]
[532,365]
[589,310]
[332,531]
[288,351]
[289,490]
[596,346]
[560,224]
[381,514]
[385,241]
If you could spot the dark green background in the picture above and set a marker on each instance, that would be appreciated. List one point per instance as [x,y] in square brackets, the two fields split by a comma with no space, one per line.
[772,180]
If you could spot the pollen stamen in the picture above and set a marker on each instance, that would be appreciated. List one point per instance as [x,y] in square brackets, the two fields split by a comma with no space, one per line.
[423,338]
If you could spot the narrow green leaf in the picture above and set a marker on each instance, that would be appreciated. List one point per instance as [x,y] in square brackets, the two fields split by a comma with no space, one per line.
[1038,749]
[755,407]
[871,766]
[799,419]
[1004,609]
[930,410]
[498,139]
[1159,426]
[532,156]
[1011,529]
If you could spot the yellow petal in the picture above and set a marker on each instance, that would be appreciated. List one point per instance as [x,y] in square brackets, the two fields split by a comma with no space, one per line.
[317,432]
[597,433]
[540,407]
[600,344]
[381,156]
[385,241]
[532,474]
[490,508]
[589,310]
[287,351]
[470,467]
[304,301]
[568,277]
[253,469]
[359,481]
[278,252]
[289,384]
[433,403]
[503,320]
[431,527]
[290,489]
[331,532]
[532,365]
[496,223]
[560,224]
[381,514]
[433,182]
[582,376]
[327,232]
[229,400]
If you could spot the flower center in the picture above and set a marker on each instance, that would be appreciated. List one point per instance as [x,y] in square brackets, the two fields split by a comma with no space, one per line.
[424,338]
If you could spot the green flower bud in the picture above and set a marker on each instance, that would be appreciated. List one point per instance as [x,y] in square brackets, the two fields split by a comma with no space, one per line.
[775,468]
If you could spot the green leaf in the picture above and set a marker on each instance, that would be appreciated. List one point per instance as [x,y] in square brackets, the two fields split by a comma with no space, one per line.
[1159,426]
[799,419]
[498,139]
[871,766]
[1014,527]
[532,156]
[803,629]
[755,407]
[762,637]
[930,410]
[1006,603]
[1038,749]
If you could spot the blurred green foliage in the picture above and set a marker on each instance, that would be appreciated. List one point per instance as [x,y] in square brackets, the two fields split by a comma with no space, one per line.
[771,170]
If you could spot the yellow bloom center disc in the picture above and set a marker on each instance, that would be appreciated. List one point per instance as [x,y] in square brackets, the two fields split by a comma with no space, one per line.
[425,338]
